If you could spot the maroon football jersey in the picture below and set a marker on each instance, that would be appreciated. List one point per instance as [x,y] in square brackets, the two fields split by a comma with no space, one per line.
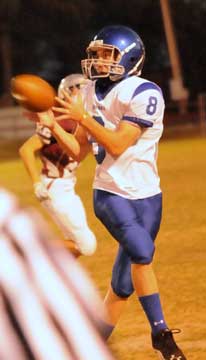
[55,160]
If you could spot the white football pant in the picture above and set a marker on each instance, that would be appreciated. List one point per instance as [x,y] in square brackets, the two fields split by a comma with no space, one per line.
[67,210]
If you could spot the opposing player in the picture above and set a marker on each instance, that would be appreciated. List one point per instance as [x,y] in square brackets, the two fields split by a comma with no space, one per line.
[54,186]
[123,115]
[49,307]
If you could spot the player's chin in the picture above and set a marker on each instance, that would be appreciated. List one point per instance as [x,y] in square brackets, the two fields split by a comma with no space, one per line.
[102,70]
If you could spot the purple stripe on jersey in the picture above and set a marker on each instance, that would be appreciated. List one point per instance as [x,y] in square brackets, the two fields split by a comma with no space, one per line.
[146,86]
[140,122]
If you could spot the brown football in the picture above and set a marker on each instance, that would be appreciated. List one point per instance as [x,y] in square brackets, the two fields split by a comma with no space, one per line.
[32,92]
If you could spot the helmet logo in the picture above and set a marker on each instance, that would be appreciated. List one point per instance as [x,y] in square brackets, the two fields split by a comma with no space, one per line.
[128,48]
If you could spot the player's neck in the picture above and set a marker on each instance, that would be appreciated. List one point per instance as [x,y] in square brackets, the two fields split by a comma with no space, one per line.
[103,87]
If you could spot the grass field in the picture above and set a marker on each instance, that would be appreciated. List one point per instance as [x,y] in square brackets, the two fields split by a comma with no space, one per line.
[180,259]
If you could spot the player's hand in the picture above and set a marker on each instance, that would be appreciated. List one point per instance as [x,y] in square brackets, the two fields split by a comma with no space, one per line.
[47,119]
[70,108]
[41,191]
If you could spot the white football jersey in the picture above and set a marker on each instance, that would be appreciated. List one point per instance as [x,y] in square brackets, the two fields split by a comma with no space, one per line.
[133,174]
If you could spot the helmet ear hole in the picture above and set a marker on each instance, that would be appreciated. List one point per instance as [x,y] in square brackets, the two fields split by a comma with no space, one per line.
[133,59]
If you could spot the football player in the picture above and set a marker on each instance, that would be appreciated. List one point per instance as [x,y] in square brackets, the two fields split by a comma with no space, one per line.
[54,186]
[122,113]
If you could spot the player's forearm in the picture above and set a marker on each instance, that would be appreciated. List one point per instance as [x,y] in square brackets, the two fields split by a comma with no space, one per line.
[67,141]
[106,137]
[29,161]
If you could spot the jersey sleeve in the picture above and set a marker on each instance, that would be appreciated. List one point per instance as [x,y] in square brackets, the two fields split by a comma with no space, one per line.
[146,105]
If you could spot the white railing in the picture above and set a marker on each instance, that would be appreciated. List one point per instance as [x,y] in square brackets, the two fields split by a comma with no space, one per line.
[13,125]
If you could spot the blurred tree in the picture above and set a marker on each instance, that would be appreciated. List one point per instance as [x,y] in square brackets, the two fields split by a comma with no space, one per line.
[8,10]
[52,35]
[42,37]
[49,37]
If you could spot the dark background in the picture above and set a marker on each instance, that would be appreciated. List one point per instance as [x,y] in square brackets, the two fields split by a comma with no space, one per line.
[49,37]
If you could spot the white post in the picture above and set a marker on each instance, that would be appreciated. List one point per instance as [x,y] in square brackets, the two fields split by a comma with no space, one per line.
[201,101]
[178,91]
